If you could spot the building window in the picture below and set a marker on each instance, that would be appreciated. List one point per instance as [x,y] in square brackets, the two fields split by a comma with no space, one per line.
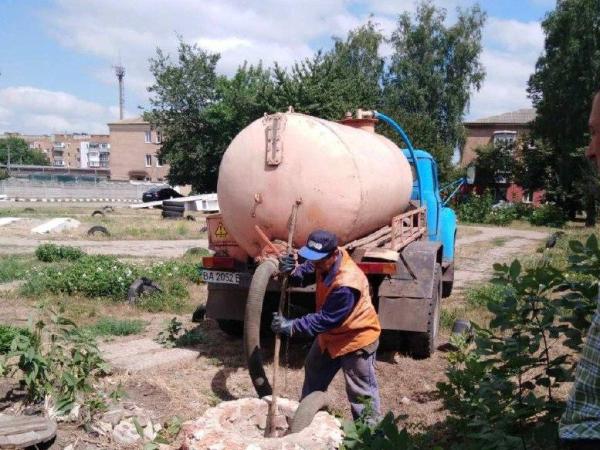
[148,160]
[504,137]
[148,137]
[158,137]
[159,161]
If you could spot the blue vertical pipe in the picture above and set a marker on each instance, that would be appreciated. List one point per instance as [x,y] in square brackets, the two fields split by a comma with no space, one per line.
[406,140]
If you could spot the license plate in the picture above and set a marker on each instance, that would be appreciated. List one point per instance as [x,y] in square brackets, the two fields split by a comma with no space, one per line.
[215,276]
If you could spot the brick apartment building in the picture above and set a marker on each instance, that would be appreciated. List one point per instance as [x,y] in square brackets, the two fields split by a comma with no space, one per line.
[70,151]
[134,146]
[507,127]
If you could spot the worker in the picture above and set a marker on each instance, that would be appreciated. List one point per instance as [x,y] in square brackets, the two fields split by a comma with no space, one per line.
[580,424]
[345,323]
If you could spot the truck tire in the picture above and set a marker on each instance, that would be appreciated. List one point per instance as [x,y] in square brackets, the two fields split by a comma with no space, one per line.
[422,345]
[234,328]
[98,213]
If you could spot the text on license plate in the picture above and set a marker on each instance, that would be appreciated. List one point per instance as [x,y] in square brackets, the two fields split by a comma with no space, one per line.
[214,276]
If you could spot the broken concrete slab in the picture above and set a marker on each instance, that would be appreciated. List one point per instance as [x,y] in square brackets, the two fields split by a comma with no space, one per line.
[8,220]
[56,225]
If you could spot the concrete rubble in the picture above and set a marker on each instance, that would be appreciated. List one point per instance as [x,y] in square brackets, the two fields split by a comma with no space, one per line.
[119,424]
[240,424]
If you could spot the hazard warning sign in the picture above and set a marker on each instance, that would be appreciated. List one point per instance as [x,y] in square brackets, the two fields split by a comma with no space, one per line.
[221,232]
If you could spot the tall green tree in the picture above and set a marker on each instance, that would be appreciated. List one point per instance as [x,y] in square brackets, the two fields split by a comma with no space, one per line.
[20,153]
[330,83]
[433,70]
[566,75]
[180,97]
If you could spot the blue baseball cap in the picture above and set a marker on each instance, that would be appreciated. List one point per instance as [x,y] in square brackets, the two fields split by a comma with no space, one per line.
[320,244]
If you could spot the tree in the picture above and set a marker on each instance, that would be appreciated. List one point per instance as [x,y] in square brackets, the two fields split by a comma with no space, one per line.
[200,112]
[494,166]
[182,93]
[431,74]
[343,79]
[20,153]
[561,88]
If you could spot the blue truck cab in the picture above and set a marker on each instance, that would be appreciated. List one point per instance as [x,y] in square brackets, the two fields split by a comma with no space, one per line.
[441,220]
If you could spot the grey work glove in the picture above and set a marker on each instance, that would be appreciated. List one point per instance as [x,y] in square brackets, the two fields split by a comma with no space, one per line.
[281,325]
[287,264]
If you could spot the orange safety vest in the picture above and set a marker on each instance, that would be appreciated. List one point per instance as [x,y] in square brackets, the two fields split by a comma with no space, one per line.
[361,327]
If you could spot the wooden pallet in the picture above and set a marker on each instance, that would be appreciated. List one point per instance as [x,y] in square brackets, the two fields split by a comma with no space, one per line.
[25,431]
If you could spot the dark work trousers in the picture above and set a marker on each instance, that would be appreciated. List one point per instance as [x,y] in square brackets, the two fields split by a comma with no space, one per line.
[359,373]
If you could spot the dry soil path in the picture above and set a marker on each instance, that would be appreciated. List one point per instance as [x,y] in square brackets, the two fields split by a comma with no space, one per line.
[139,248]
[477,267]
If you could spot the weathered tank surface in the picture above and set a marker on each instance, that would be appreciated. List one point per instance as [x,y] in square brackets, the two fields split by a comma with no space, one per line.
[350,181]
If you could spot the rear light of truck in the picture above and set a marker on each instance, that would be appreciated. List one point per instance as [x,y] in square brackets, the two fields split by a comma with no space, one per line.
[218,262]
[383,268]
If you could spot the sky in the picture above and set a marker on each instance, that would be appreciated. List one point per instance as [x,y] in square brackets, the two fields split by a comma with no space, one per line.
[57,56]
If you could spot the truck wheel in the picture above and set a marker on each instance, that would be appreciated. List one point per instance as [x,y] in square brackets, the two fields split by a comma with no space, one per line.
[422,345]
[233,328]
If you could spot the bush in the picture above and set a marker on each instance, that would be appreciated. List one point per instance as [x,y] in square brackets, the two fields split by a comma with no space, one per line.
[7,335]
[523,210]
[63,368]
[548,215]
[503,214]
[174,268]
[3,174]
[502,393]
[90,275]
[475,208]
[53,252]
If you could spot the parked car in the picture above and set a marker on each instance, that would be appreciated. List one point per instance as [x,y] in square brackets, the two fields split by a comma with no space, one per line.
[160,193]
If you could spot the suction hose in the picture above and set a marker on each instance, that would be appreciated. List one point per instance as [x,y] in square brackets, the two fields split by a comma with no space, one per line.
[308,407]
[254,306]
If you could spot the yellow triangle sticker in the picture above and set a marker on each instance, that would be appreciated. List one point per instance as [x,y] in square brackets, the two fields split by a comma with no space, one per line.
[221,232]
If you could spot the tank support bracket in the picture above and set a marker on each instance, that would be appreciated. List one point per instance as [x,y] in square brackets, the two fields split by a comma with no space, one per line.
[274,126]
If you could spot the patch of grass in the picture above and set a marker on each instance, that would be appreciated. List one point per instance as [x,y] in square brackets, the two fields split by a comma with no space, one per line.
[109,326]
[13,268]
[500,241]
[484,294]
[170,300]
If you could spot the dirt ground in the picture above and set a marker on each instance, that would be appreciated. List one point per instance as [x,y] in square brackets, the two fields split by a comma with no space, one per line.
[187,388]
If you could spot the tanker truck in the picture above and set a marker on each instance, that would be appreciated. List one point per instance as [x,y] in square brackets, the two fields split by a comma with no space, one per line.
[382,202]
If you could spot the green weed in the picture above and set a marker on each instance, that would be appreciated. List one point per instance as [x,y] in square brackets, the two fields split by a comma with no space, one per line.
[12,268]
[109,326]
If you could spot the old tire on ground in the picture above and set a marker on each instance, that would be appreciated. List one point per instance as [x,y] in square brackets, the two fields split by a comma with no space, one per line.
[166,214]
[108,208]
[98,229]
[190,217]
[141,286]
[252,320]
[98,213]
[233,328]
[422,345]
[173,205]
[308,407]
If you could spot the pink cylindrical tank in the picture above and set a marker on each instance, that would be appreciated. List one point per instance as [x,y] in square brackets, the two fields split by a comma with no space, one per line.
[350,181]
